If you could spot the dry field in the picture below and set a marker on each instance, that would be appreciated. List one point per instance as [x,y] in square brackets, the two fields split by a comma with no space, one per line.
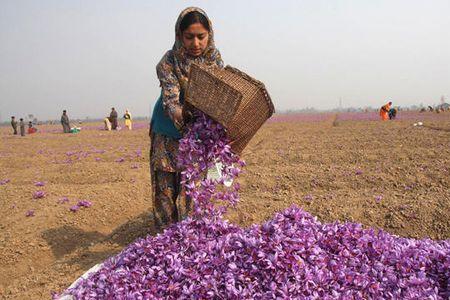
[388,175]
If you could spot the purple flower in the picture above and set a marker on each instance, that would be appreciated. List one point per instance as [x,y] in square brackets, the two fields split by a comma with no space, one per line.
[39,183]
[74,208]
[29,213]
[39,194]
[134,166]
[358,172]
[84,203]
[378,198]
[308,197]
[4,181]
[63,200]
[120,159]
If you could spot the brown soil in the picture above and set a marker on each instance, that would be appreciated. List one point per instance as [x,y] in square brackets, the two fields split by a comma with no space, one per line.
[333,171]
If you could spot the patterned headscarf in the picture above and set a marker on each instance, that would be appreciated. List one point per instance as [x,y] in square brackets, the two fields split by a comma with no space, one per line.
[173,69]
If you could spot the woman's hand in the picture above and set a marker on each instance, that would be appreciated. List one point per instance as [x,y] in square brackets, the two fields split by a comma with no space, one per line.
[178,117]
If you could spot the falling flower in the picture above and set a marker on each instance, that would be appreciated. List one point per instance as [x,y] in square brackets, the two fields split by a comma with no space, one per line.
[39,183]
[39,194]
[29,213]
[98,159]
[378,198]
[120,159]
[134,166]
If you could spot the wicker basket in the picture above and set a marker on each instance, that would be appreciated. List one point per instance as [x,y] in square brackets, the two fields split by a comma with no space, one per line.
[232,98]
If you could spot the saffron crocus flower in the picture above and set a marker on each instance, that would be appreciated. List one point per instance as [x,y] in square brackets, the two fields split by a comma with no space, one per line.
[74,208]
[63,200]
[308,197]
[84,203]
[378,198]
[39,194]
[4,181]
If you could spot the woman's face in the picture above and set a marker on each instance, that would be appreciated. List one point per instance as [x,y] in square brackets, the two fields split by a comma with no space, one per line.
[195,39]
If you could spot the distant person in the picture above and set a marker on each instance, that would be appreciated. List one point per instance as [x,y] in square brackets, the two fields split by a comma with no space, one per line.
[107,124]
[127,117]
[113,118]
[31,129]
[65,122]
[384,111]
[14,125]
[392,113]
[22,127]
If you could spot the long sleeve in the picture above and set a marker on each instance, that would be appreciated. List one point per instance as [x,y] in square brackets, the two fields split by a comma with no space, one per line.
[169,84]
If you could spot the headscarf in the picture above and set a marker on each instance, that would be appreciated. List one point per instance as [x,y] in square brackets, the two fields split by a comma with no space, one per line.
[173,69]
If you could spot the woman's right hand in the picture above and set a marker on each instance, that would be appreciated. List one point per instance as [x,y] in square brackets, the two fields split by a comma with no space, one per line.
[178,117]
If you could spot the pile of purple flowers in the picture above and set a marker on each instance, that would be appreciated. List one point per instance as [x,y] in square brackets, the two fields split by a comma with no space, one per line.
[292,256]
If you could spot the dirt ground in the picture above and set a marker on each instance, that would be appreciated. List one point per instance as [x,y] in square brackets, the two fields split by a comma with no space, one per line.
[388,175]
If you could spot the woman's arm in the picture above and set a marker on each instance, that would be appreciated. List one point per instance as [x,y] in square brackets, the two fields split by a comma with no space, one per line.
[170,88]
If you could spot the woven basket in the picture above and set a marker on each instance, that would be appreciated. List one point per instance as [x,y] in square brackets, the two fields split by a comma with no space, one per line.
[237,101]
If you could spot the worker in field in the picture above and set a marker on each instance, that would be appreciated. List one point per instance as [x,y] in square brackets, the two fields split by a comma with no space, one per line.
[22,127]
[14,125]
[31,128]
[392,113]
[65,122]
[127,117]
[113,119]
[384,111]
[107,124]
[194,43]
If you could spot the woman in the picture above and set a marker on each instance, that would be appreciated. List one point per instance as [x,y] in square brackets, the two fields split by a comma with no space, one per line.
[384,111]
[194,43]
[127,117]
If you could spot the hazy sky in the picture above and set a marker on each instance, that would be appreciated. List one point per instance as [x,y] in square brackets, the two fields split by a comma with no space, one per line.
[87,56]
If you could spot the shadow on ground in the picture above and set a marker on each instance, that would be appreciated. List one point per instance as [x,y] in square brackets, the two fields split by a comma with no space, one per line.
[67,240]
